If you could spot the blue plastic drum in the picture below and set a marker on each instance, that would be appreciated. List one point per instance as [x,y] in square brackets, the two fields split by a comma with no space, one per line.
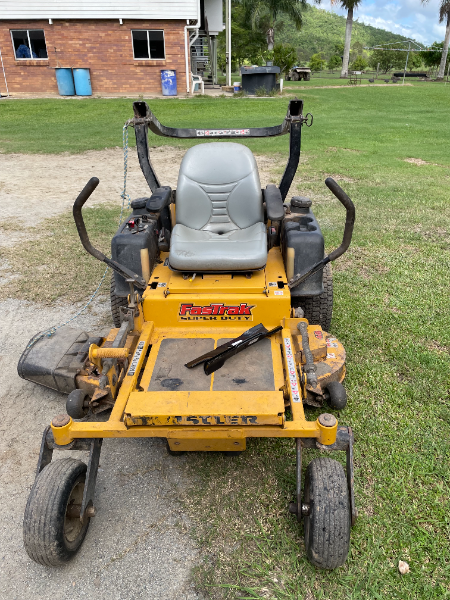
[64,79]
[169,82]
[82,82]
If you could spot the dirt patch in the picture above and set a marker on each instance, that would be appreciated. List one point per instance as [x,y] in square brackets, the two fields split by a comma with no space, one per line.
[417,161]
[35,187]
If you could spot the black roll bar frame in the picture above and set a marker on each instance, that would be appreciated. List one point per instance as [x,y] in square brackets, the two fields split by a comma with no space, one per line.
[144,119]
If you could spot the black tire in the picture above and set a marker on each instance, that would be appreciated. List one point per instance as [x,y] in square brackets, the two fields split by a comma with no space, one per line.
[49,536]
[319,309]
[75,407]
[337,396]
[295,76]
[116,303]
[327,526]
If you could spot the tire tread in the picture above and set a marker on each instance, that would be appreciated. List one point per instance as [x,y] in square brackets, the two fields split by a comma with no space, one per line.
[327,536]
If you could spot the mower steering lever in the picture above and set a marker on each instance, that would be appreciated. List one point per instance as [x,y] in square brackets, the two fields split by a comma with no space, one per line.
[347,237]
[81,228]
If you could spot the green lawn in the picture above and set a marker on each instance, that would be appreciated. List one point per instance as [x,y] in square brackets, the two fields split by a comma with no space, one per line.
[392,308]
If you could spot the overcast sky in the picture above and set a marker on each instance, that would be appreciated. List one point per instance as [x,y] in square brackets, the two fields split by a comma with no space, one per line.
[410,18]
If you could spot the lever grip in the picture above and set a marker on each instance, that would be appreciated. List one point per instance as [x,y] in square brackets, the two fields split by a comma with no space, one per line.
[349,221]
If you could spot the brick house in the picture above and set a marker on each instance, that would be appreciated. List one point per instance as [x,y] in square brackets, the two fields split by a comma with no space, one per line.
[124,44]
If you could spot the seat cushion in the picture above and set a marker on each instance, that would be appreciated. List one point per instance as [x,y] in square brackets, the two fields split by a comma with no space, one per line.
[218,188]
[203,250]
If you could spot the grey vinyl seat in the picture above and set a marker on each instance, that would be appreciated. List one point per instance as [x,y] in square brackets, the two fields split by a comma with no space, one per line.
[219,211]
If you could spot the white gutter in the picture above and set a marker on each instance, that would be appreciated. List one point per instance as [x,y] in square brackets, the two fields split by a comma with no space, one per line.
[4,74]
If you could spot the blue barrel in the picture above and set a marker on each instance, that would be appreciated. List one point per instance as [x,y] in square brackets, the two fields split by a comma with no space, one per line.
[82,82]
[169,82]
[64,79]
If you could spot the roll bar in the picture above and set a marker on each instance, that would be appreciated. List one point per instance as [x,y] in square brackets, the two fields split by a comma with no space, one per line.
[144,119]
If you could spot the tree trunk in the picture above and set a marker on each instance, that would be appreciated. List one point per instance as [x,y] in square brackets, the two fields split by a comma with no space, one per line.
[348,39]
[441,72]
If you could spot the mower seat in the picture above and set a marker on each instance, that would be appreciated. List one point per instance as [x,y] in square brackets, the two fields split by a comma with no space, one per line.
[219,211]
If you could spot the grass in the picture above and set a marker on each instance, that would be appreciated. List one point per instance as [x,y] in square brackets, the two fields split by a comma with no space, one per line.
[392,309]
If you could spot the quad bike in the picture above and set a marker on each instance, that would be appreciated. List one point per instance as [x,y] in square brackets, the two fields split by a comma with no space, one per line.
[222,299]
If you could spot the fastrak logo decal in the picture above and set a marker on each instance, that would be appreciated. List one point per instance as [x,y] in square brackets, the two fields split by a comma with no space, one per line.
[216,312]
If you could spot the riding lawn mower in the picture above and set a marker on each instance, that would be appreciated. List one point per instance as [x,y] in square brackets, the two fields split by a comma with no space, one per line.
[221,300]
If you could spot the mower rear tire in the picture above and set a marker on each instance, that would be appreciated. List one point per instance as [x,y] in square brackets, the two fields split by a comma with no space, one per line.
[327,522]
[318,309]
[75,404]
[116,303]
[50,536]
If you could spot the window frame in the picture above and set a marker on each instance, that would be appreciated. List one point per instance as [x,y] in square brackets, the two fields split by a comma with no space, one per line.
[11,31]
[148,44]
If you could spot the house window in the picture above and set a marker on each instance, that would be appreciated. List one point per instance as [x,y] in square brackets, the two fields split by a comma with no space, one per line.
[29,43]
[148,43]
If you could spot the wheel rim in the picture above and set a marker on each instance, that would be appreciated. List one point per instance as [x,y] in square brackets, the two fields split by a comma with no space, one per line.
[73,526]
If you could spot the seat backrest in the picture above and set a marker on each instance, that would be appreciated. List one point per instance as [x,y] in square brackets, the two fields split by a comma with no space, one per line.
[219,188]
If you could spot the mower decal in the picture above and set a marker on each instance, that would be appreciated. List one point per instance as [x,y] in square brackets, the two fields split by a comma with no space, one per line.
[331,344]
[331,355]
[216,312]
[160,284]
[221,132]
[156,421]
[278,293]
[273,284]
[136,357]
[318,334]
[295,394]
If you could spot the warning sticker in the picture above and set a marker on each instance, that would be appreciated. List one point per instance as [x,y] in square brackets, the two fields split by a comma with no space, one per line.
[136,357]
[293,382]
[273,284]
[161,284]
[331,355]
[278,293]
[331,344]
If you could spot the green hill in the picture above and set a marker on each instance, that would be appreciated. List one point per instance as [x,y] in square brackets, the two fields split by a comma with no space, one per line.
[322,30]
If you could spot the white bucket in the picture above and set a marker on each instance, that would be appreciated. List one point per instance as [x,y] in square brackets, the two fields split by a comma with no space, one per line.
[237,86]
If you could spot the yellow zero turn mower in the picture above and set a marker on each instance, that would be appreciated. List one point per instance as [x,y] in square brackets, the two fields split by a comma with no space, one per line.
[221,299]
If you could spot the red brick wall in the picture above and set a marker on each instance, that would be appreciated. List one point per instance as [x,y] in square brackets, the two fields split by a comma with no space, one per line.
[104,46]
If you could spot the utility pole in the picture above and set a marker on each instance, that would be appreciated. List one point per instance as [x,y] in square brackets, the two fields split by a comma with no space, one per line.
[406,63]
[228,39]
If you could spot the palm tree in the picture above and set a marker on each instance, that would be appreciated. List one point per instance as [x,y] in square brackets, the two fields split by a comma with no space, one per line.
[350,5]
[444,15]
[266,12]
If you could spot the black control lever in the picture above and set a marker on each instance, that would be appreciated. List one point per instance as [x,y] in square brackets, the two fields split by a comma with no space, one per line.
[216,358]
[81,227]
[347,238]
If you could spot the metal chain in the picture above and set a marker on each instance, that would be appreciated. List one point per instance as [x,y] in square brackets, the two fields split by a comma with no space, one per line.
[52,330]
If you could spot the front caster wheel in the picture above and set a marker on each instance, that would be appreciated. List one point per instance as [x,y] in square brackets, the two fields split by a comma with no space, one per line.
[52,533]
[75,404]
[336,395]
[327,514]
